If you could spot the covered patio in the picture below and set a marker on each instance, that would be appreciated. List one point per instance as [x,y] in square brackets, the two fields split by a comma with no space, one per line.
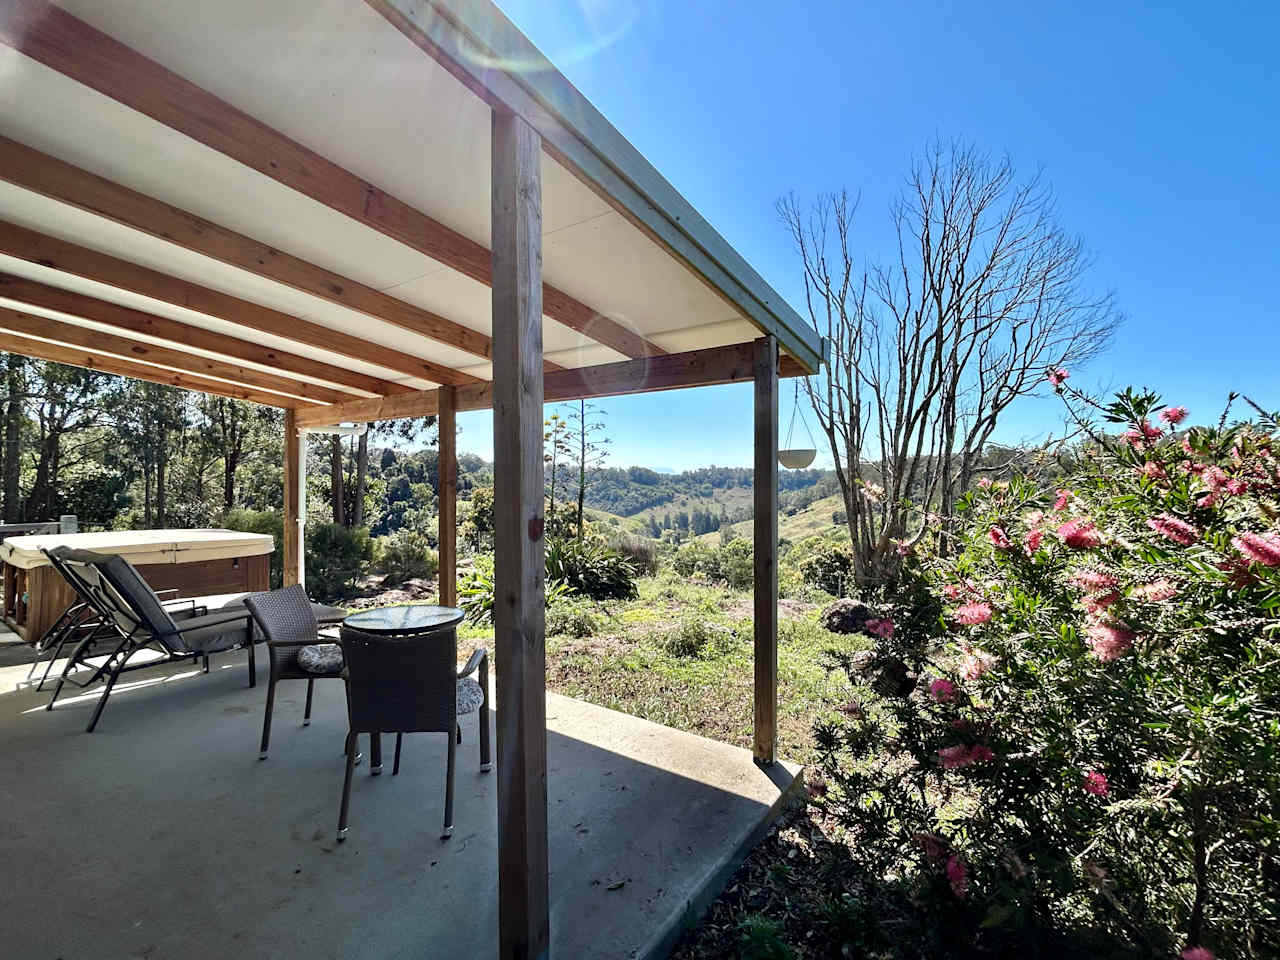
[357,212]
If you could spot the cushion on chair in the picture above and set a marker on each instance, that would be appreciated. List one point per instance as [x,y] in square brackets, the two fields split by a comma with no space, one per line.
[321,658]
[470,696]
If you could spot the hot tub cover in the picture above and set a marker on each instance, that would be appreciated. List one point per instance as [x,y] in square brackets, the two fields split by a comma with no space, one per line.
[141,546]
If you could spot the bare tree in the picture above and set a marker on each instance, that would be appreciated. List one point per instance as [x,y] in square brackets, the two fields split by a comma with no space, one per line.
[983,295]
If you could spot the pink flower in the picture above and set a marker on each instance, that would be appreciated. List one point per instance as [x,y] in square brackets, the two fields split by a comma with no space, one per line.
[1237,487]
[1058,376]
[975,664]
[933,846]
[958,876]
[952,591]
[1032,540]
[1109,641]
[1153,471]
[1215,478]
[953,757]
[1239,573]
[1035,518]
[1095,783]
[1097,602]
[1197,953]
[944,691]
[985,483]
[973,614]
[981,753]
[1173,415]
[1156,592]
[1061,502]
[881,628]
[1000,539]
[1094,581]
[1172,528]
[1138,436]
[1263,548]
[1079,534]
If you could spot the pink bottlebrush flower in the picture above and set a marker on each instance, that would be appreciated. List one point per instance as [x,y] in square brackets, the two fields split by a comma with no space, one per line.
[1032,540]
[999,539]
[1214,477]
[952,591]
[1173,415]
[985,483]
[1079,534]
[1173,528]
[1263,548]
[973,614]
[1098,602]
[1239,572]
[1155,592]
[881,628]
[1058,377]
[1207,499]
[1237,487]
[933,846]
[1109,641]
[1138,436]
[1186,445]
[942,690]
[1153,471]
[958,876]
[1061,502]
[1094,581]
[1035,518]
[981,753]
[952,758]
[1197,953]
[1148,431]
[976,664]
[905,548]
[1096,783]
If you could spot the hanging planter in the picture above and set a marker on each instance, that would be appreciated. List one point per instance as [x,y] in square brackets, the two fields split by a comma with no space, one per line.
[797,458]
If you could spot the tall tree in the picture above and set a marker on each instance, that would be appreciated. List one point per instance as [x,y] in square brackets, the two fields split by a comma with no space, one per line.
[13,416]
[588,448]
[984,294]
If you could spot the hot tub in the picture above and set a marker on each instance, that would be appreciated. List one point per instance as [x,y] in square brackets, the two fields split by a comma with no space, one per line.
[194,562]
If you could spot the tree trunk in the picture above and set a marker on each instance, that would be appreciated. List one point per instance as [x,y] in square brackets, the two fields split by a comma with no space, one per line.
[362,473]
[582,461]
[335,480]
[12,435]
[162,460]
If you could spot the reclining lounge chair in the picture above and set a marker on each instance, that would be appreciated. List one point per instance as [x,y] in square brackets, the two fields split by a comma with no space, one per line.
[133,618]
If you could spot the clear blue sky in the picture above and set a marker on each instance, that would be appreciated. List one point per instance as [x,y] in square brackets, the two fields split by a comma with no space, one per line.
[1158,126]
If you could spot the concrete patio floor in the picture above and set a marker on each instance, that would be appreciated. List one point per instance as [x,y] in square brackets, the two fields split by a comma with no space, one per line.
[162,835]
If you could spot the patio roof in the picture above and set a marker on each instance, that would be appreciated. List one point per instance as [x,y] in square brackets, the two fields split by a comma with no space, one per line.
[291,204]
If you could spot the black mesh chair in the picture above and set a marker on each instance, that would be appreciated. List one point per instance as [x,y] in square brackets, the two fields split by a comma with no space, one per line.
[411,685]
[297,650]
[135,619]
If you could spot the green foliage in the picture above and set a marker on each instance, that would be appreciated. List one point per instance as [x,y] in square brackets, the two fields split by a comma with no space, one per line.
[573,617]
[406,555]
[698,635]
[262,521]
[477,530]
[475,591]
[588,567]
[824,564]
[1082,753]
[641,551]
[731,563]
[336,556]
[760,938]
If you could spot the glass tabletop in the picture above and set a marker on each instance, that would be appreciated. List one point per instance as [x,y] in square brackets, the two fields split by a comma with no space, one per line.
[404,619]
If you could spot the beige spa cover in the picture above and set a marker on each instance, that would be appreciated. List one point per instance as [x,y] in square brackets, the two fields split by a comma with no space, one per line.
[141,546]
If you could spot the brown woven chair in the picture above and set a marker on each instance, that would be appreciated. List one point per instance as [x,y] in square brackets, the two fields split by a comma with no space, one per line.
[411,685]
[296,648]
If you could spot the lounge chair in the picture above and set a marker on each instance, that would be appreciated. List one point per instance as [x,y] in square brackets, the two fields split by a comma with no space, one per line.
[133,618]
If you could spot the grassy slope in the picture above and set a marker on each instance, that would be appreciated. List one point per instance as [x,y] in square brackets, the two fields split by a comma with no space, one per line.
[813,519]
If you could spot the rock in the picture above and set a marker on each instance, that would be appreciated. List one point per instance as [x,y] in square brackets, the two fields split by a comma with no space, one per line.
[847,616]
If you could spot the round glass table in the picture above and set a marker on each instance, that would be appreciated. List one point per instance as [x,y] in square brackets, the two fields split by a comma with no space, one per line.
[404,620]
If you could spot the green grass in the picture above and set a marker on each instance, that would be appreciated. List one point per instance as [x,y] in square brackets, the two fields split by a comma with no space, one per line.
[813,519]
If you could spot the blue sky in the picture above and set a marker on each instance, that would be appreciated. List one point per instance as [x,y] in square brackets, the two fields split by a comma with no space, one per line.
[1158,126]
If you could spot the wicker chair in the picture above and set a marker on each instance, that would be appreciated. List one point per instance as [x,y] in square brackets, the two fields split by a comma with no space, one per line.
[411,685]
[296,648]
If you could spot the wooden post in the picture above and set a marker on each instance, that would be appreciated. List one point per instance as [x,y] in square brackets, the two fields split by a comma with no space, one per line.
[766,551]
[519,572]
[447,466]
[291,532]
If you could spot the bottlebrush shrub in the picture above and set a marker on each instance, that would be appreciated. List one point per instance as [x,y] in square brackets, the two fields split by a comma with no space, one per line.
[1089,754]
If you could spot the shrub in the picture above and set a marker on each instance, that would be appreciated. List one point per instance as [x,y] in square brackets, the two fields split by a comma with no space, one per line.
[573,617]
[697,557]
[697,635]
[407,555]
[641,551]
[475,591]
[731,563]
[824,564]
[336,557]
[1082,754]
[590,568]
[262,521]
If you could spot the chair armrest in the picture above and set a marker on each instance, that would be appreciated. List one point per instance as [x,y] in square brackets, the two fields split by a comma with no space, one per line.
[478,656]
[160,593]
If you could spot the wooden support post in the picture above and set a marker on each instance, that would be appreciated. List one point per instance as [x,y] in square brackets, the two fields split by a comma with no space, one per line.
[447,466]
[766,551]
[519,571]
[292,531]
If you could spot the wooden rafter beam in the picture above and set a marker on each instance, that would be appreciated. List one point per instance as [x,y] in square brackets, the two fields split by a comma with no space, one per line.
[69,258]
[51,177]
[72,47]
[673,371]
[124,348]
[71,356]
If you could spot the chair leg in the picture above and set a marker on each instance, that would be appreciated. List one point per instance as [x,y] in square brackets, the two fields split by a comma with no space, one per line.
[49,666]
[266,720]
[375,754]
[459,726]
[448,792]
[206,663]
[486,761]
[395,767]
[306,714]
[81,647]
[346,787]
[253,665]
[106,692]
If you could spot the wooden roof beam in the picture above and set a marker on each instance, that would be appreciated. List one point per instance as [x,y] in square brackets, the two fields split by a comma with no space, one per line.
[53,178]
[71,356]
[673,371]
[64,43]
[95,341]
[45,251]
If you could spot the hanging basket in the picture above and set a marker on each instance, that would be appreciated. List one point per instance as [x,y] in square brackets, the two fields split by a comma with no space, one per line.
[796,459]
